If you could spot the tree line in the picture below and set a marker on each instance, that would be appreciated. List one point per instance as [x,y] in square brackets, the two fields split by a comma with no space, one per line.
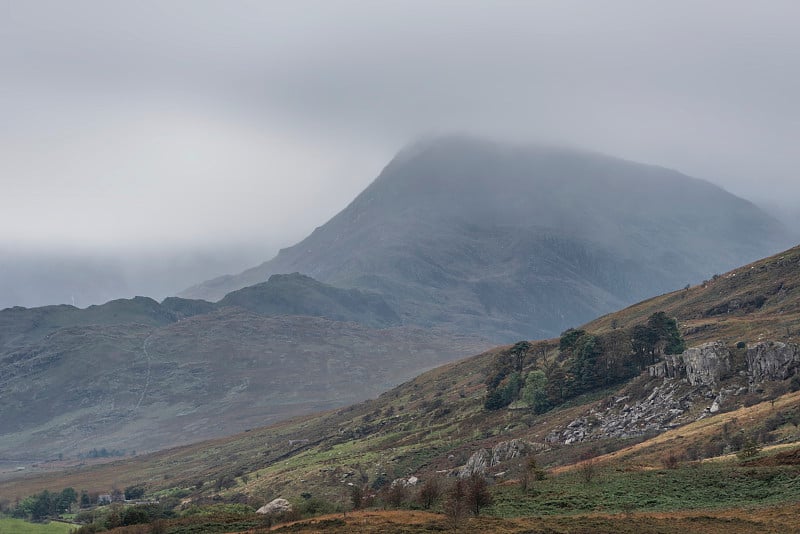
[584,362]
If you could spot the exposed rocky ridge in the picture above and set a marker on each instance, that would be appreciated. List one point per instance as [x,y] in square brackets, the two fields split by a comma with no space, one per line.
[686,387]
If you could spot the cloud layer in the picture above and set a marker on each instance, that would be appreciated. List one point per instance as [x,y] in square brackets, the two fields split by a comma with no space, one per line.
[168,124]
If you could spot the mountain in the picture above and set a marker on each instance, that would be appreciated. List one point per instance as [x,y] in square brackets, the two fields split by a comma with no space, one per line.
[630,454]
[521,242]
[136,375]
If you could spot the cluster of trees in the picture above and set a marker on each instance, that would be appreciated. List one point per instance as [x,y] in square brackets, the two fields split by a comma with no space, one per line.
[585,362]
[103,453]
[46,504]
[118,515]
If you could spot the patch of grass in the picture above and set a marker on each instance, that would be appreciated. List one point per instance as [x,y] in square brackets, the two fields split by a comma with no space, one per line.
[706,486]
[18,526]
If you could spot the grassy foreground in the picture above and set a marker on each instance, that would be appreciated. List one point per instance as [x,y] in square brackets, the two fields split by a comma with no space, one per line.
[18,526]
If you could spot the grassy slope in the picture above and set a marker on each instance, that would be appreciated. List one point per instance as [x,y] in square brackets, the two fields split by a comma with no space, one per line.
[202,377]
[768,519]
[777,279]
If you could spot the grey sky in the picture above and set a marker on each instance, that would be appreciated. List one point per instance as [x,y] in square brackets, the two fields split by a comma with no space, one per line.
[164,125]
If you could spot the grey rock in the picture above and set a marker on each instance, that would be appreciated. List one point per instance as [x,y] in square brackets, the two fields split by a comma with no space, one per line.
[276,506]
[707,364]
[771,360]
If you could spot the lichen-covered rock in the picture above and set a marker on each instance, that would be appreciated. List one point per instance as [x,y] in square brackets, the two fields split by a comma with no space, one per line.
[772,360]
[276,506]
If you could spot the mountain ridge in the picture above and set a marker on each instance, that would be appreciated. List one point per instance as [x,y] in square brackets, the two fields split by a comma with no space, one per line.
[133,374]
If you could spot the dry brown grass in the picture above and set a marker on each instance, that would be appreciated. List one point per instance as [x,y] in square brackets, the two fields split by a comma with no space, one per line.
[778,519]
[648,454]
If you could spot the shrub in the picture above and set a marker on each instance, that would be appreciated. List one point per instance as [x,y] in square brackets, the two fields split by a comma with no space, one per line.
[134,492]
[749,449]
[670,460]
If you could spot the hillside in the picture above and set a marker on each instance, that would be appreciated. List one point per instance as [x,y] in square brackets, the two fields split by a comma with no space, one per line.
[296,294]
[437,425]
[521,242]
[135,375]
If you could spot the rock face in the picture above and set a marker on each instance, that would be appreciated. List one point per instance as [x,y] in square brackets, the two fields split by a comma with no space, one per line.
[276,506]
[704,365]
[693,385]
[772,360]
[707,364]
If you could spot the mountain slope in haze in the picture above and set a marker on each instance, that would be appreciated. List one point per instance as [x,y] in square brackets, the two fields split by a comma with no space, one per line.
[521,242]
[296,294]
[293,294]
[436,422]
[139,375]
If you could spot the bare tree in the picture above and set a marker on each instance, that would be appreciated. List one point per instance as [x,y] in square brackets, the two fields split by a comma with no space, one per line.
[429,493]
[478,495]
[455,506]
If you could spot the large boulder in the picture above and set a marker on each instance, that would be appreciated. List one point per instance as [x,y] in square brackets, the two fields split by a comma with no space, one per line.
[276,506]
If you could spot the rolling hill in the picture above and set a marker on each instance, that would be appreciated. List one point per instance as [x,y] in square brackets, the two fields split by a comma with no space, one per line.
[521,242]
[135,375]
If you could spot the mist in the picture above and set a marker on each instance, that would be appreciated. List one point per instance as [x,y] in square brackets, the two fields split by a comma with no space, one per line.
[148,146]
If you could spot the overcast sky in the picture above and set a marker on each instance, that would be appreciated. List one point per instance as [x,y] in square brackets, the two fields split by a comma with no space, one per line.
[173,125]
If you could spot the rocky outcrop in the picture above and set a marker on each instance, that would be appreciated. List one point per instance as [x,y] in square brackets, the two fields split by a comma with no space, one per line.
[707,364]
[409,482]
[484,459]
[711,363]
[695,385]
[704,365]
[771,360]
[276,506]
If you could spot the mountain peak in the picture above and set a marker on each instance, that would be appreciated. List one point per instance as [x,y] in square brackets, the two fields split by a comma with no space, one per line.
[513,241]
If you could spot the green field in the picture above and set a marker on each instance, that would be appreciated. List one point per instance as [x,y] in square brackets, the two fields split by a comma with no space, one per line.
[18,526]
[694,486]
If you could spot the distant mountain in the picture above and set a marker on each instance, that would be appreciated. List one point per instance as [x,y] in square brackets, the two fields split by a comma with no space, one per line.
[34,277]
[521,242]
[292,294]
[139,375]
